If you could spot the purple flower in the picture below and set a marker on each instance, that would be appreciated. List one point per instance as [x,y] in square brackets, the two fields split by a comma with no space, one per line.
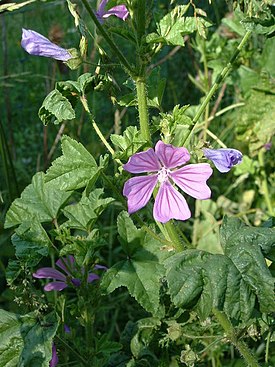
[120,11]
[54,360]
[36,44]
[223,159]
[64,280]
[161,164]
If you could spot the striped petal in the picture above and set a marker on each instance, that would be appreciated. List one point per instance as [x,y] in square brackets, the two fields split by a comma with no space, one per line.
[143,162]
[170,156]
[55,286]
[138,191]
[170,204]
[192,180]
[49,273]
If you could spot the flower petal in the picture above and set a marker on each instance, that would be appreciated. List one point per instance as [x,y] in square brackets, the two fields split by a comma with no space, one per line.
[92,277]
[98,266]
[138,191]
[170,204]
[67,264]
[171,156]
[49,273]
[143,162]
[55,286]
[192,180]
[120,11]
[101,7]
[36,44]
[54,360]
[223,159]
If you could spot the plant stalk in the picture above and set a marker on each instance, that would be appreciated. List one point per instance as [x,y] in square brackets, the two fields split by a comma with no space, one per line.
[264,183]
[231,335]
[143,110]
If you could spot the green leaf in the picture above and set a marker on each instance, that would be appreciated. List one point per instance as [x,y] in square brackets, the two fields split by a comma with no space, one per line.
[231,282]
[141,271]
[173,26]
[74,169]
[31,242]
[56,108]
[26,341]
[39,200]
[83,215]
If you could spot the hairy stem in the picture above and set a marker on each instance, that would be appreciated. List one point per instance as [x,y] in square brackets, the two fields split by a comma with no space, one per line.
[231,335]
[143,109]
[220,78]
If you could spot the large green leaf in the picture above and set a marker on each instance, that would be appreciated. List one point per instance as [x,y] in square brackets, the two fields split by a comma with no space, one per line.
[75,168]
[39,200]
[141,271]
[83,214]
[231,282]
[26,341]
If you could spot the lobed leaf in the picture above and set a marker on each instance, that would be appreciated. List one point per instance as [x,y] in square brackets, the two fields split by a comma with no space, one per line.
[83,214]
[39,200]
[231,282]
[141,271]
[74,169]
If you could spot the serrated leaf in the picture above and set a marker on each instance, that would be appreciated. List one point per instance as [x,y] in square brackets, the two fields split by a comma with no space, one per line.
[203,280]
[56,108]
[26,341]
[231,282]
[140,272]
[74,169]
[39,200]
[83,214]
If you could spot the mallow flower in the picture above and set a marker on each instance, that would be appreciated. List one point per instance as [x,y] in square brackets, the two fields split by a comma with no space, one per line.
[36,44]
[54,360]
[68,265]
[164,165]
[120,11]
[224,159]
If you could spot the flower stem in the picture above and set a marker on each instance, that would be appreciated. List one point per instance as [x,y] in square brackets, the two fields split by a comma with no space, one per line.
[264,182]
[220,78]
[173,236]
[105,35]
[95,126]
[231,335]
[143,109]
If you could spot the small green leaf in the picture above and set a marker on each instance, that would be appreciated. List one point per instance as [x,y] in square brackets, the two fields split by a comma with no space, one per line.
[26,341]
[56,108]
[74,169]
[39,200]
[85,213]
[31,242]
[129,143]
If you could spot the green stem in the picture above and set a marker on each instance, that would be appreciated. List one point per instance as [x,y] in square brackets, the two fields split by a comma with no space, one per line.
[143,109]
[111,43]
[78,356]
[173,235]
[220,78]
[95,126]
[231,335]
[264,182]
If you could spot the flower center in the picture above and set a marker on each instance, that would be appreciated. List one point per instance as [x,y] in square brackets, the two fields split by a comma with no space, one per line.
[163,174]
